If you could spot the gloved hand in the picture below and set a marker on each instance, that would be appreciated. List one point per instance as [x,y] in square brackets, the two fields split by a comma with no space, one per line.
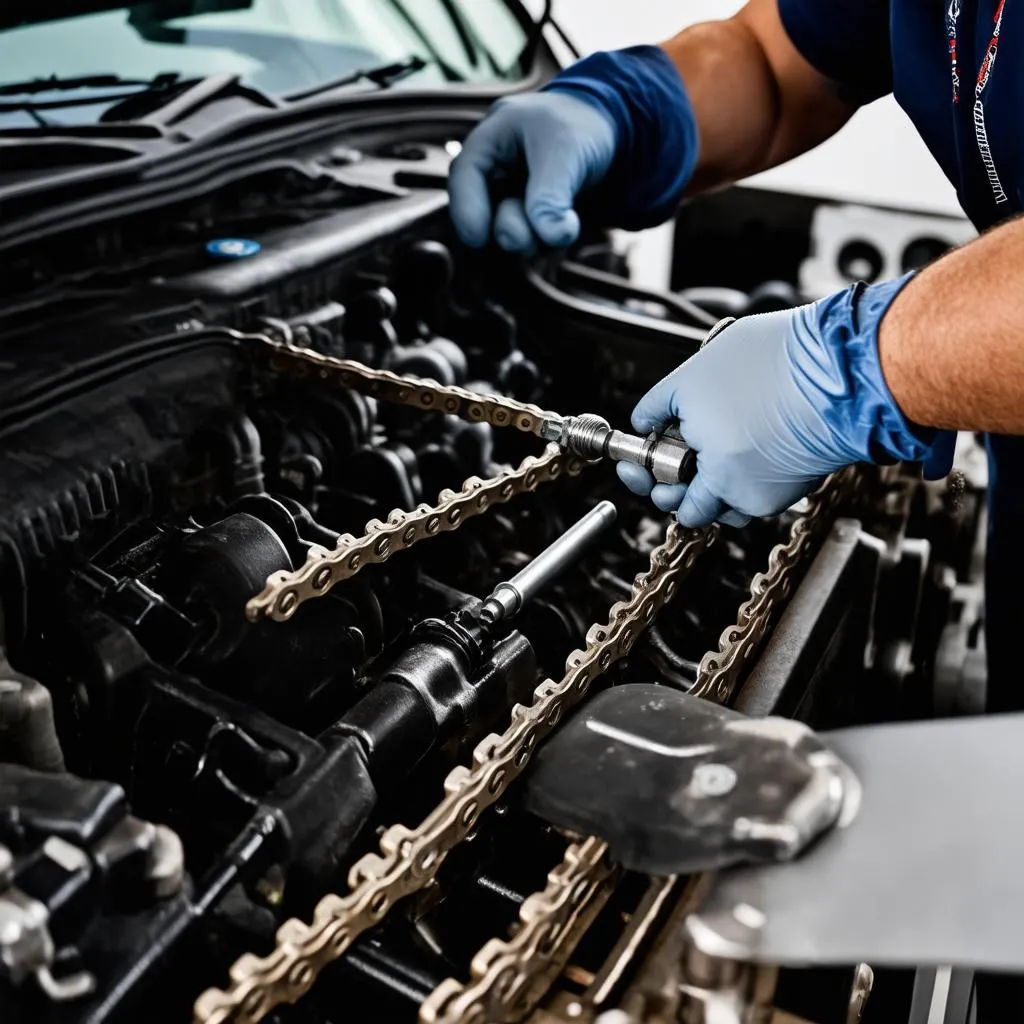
[777,402]
[617,125]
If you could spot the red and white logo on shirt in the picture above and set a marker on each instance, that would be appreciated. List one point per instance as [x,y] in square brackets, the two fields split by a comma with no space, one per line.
[984,76]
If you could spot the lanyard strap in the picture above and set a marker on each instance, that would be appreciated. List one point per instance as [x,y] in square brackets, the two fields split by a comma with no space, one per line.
[984,76]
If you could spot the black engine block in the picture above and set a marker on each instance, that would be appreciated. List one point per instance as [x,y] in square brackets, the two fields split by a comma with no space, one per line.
[178,778]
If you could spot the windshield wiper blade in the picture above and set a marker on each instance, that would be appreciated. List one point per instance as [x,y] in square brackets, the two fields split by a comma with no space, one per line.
[162,83]
[56,83]
[146,112]
[385,75]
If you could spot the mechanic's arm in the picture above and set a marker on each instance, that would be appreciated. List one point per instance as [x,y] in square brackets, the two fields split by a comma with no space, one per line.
[636,129]
[756,100]
[876,373]
[952,345]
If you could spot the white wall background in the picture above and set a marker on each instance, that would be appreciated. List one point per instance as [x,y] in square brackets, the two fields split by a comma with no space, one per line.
[877,158]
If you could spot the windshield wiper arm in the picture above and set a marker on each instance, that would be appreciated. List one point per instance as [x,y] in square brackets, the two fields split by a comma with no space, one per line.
[385,75]
[154,109]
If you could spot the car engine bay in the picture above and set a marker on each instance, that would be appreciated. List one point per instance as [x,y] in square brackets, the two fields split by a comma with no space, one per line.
[264,740]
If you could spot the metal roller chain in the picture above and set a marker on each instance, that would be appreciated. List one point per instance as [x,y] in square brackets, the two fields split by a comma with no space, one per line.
[410,858]
[721,670]
[509,977]
[286,592]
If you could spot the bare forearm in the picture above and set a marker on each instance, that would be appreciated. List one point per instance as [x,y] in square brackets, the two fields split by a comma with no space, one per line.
[734,97]
[757,102]
[952,343]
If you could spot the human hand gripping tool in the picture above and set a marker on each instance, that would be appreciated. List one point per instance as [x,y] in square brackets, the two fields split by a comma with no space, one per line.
[664,454]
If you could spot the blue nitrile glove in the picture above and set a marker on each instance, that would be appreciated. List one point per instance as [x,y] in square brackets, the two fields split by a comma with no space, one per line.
[618,125]
[777,402]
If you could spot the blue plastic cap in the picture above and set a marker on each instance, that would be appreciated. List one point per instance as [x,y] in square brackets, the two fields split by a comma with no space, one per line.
[232,248]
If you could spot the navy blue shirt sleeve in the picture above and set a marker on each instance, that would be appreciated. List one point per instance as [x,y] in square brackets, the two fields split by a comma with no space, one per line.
[846,40]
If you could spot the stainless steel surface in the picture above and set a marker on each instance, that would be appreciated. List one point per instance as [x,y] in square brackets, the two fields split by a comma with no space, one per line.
[937,804]
[942,995]
[508,598]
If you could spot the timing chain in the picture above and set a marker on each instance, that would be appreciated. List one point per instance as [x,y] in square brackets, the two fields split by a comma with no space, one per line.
[284,592]
[415,392]
[721,670]
[509,977]
[324,568]
[409,859]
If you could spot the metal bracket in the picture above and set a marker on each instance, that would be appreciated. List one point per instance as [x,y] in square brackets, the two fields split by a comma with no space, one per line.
[926,873]
[675,784]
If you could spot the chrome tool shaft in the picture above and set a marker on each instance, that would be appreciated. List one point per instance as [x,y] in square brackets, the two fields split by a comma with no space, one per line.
[508,598]
[664,455]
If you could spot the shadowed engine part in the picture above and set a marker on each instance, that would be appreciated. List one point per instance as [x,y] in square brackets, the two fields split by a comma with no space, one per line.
[28,735]
[69,850]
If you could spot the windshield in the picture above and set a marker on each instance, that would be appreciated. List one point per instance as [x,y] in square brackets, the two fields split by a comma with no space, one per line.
[281,47]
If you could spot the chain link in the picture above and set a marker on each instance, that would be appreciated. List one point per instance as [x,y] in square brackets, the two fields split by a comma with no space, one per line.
[410,858]
[323,569]
[770,590]
[510,977]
